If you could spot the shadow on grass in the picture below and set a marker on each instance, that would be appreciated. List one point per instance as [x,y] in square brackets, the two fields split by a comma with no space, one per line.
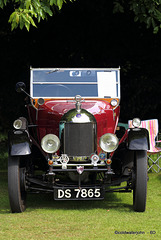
[4,202]
[3,152]
[46,201]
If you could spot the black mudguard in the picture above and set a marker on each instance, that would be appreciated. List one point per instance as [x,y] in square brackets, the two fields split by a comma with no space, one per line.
[19,143]
[138,139]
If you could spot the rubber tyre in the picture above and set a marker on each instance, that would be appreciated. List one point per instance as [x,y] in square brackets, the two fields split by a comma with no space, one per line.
[16,185]
[140,183]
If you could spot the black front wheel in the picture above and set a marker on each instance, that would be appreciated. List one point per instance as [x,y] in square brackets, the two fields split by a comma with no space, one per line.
[140,182]
[16,185]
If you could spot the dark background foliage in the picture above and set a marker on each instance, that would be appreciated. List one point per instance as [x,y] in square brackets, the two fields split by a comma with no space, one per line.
[84,34]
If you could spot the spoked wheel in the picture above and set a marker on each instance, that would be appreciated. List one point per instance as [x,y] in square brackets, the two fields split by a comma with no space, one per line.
[16,185]
[140,183]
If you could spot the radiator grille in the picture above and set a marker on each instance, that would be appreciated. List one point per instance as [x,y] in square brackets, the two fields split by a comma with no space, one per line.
[79,139]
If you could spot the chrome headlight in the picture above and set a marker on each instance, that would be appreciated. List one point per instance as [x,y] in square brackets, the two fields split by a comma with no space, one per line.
[50,143]
[109,142]
[17,124]
[113,102]
[20,123]
[136,122]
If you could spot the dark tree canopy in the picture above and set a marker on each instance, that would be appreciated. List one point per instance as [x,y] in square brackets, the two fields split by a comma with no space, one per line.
[146,11]
[83,33]
[29,12]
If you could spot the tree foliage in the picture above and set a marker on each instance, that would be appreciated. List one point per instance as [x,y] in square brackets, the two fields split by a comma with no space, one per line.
[26,12]
[146,11]
[30,12]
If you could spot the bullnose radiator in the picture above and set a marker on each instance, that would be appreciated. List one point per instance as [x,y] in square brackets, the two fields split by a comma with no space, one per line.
[79,139]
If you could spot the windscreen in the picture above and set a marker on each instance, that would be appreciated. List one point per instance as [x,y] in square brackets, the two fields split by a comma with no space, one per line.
[54,83]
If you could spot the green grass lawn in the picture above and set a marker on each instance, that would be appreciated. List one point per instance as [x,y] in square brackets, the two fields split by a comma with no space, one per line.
[49,219]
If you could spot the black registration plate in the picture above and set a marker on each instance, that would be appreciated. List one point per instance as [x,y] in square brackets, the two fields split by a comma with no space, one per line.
[78,193]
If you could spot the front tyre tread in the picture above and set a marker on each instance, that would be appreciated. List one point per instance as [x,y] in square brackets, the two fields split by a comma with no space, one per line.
[140,185]
[17,194]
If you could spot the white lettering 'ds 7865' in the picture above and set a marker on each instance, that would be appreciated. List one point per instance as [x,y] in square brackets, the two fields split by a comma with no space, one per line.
[79,193]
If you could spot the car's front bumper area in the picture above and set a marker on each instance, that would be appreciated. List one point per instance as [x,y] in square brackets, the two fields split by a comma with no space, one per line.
[102,180]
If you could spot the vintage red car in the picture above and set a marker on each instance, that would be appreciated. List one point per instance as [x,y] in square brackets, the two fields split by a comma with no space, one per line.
[72,144]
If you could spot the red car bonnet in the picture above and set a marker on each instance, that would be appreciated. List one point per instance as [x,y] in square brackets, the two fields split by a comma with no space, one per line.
[50,113]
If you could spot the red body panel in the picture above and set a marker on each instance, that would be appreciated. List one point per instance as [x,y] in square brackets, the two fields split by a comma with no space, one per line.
[50,113]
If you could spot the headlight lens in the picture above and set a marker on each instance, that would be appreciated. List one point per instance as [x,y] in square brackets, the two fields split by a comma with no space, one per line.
[109,142]
[50,143]
[17,124]
[114,103]
[136,122]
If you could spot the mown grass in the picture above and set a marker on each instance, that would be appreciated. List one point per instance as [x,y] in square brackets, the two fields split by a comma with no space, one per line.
[45,218]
